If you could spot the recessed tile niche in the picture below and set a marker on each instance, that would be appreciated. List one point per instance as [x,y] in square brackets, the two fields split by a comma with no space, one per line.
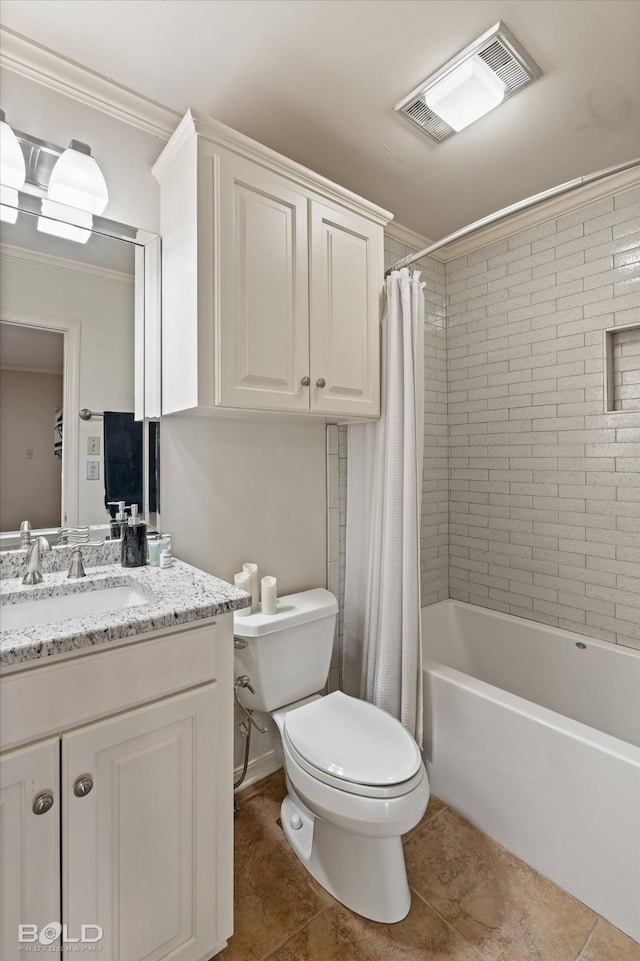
[622,368]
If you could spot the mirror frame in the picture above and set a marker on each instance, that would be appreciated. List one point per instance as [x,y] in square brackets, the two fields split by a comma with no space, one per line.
[147,360]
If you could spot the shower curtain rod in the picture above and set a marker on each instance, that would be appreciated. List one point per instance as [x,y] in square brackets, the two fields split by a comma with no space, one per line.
[512,209]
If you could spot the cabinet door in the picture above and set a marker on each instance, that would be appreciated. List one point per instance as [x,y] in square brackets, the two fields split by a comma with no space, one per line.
[262,343]
[346,289]
[30,846]
[139,848]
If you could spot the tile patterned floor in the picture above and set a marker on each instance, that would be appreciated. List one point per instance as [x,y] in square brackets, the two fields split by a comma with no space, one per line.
[471,901]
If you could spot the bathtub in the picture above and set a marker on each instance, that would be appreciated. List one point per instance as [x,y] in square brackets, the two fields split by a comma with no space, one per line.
[533,734]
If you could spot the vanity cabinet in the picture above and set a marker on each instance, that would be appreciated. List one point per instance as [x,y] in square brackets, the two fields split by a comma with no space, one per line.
[138,839]
[29,841]
[272,281]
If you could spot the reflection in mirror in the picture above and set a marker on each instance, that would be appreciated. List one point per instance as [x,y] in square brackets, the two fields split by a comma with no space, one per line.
[31,404]
[67,322]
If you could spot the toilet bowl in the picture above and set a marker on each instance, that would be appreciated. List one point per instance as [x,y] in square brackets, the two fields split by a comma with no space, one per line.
[355,778]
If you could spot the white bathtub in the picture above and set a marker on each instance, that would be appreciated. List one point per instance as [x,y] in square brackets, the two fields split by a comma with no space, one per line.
[533,734]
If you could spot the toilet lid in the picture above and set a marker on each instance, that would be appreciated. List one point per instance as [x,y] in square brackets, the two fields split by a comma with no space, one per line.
[352,740]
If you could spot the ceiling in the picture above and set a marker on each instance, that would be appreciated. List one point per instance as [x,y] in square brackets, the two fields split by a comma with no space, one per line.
[317,80]
[31,349]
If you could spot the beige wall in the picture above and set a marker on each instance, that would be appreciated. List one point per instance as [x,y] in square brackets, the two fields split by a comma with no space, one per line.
[30,488]
[235,490]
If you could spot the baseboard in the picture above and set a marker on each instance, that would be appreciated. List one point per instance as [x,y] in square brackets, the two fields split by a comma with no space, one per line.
[258,768]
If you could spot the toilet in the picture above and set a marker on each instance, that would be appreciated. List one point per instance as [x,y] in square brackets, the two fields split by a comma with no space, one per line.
[355,778]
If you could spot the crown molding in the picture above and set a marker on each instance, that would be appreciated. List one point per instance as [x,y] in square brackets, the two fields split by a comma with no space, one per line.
[403,235]
[195,127]
[35,258]
[546,210]
[35,62]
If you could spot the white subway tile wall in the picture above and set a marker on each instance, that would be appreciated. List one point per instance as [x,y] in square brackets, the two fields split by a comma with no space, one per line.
[626,368]
[533,508]
[544,485]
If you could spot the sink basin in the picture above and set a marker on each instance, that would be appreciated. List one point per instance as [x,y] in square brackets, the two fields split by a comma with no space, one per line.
[49,610]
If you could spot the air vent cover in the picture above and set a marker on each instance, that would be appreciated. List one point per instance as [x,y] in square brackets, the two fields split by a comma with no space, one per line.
[504,56]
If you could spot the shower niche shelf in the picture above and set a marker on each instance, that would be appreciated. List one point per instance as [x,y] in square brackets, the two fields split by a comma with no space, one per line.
[622,369]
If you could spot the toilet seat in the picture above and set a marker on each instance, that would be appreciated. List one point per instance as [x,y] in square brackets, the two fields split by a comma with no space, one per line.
[353,746]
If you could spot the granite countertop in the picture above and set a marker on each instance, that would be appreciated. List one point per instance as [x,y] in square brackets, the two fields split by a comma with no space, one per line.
[180,594]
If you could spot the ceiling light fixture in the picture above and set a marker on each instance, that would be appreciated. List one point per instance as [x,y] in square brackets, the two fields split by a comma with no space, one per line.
[465,94]
[12,172]
[490,70]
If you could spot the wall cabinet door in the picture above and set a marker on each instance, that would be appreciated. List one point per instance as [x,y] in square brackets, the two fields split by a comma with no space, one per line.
[345,293]
[139,845]
[30,844]
[263,319]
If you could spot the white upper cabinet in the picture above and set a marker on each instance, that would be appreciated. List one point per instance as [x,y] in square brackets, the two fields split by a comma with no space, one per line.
[272,281]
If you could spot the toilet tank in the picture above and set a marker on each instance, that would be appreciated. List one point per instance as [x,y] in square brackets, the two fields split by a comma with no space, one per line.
[287,655]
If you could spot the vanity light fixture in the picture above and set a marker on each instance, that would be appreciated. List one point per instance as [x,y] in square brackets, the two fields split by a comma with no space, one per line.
[490,70]
[67,184]
[77,190]
[12,172]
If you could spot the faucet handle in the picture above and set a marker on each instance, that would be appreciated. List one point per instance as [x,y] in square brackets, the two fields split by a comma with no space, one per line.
[76,567]
[25,534]
[73,535]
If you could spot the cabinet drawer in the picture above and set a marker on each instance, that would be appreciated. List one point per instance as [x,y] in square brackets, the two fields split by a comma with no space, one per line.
[54,697]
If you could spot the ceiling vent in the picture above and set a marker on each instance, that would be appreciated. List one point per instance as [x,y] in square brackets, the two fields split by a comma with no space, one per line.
[487,72]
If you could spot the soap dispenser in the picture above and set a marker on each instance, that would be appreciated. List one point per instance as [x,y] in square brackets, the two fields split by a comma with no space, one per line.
[119,521]
[134,540]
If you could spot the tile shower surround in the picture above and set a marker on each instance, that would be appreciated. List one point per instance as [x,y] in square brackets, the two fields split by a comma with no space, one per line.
[544,505]
[534,508]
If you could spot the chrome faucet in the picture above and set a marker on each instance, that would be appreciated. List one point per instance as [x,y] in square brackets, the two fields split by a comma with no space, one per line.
[39,545]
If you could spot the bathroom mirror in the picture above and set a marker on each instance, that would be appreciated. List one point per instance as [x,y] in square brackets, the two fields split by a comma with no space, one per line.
[79,346]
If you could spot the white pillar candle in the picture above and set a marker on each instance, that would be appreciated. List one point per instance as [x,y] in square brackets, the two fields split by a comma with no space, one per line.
[269,595]
[241,581]
[252,571]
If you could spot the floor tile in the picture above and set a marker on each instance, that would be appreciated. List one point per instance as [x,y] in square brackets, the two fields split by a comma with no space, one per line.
[608,944]
[434,807]
[274,895]
[340,935]
[499,904]
[273,786]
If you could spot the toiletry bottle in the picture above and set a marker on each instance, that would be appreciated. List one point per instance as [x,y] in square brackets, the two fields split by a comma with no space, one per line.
[119,521]
[134,541]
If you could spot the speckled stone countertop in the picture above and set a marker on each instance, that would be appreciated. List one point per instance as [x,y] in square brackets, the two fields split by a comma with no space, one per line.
[177,595]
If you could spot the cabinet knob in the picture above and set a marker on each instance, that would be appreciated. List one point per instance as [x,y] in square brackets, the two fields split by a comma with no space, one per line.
[83,785]
[305,381]
[42,803]
[321,382]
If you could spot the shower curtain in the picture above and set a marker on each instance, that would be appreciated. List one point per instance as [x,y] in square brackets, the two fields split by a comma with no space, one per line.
[382,644]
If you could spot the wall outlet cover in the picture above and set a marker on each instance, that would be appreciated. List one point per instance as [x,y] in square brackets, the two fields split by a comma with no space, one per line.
[93,470]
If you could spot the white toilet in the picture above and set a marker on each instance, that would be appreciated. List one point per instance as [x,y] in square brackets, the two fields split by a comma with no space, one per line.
[355,776]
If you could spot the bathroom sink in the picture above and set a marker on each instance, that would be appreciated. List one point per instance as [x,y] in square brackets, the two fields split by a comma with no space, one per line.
[49,610]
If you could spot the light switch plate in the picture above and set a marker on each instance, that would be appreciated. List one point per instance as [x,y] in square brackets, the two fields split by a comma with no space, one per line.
[93,445]
[93,470]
